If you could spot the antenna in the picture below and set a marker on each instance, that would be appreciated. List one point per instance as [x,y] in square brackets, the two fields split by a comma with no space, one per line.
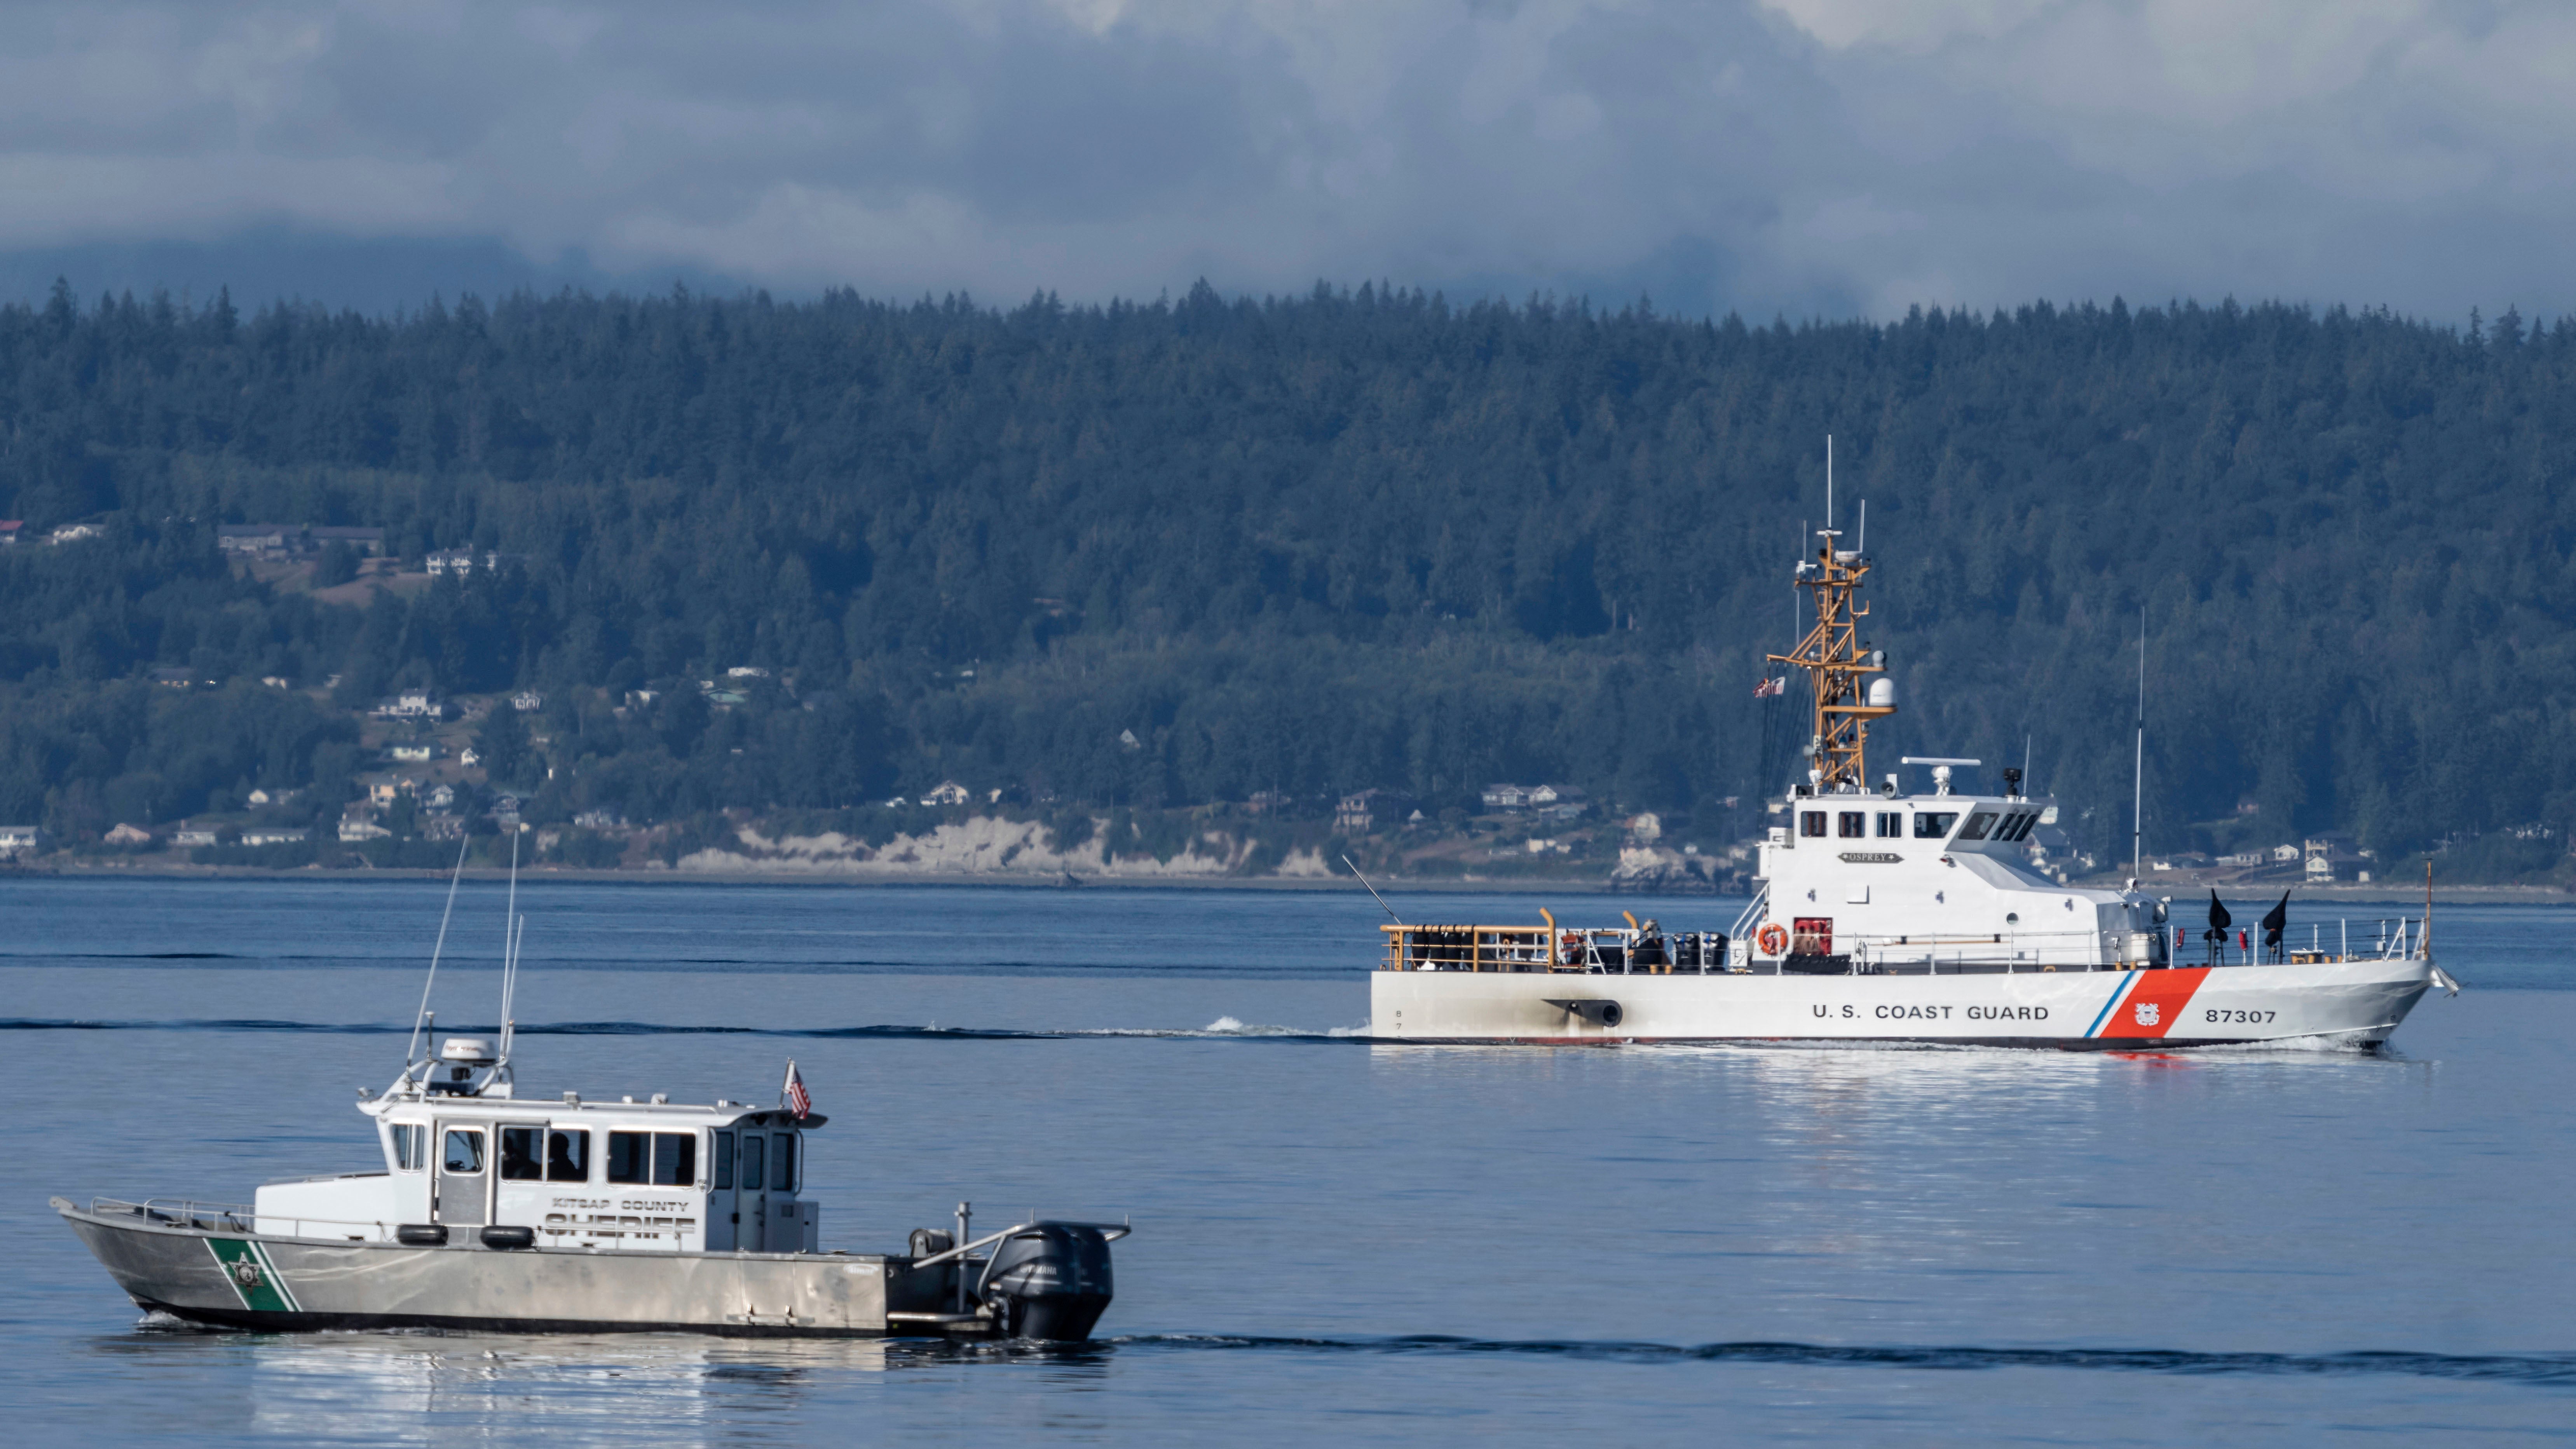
[1864,528]
[512,924]
[411,1053]
[1829,482]
[1372,890]
[2138,781]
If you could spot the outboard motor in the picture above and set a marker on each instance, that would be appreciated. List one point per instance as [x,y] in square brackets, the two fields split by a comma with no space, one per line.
[1048,1281]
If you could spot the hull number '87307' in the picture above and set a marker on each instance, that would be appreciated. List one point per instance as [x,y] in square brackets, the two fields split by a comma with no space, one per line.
[2249,1018]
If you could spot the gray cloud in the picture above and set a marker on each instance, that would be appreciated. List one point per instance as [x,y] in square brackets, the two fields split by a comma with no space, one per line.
[1809,156]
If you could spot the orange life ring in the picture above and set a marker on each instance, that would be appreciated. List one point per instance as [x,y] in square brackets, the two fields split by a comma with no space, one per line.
[1772,938]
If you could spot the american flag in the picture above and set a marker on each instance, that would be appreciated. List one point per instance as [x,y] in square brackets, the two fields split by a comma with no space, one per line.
[797,1102]
[1770,687]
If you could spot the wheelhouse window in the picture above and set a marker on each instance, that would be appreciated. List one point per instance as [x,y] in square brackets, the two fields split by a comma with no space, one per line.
[751,1154]
[630,1156]
[1852,825]
[464,1153]
[1977,826]
[724,1160]
[783,1169]
[1811,822]
[568,1155]
[411,1146]
[675,1159]
[660,1159]
[521,1159]
[1934,824]
[1891,824]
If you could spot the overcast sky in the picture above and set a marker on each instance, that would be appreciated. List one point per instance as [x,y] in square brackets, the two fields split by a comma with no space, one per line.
[1813,157]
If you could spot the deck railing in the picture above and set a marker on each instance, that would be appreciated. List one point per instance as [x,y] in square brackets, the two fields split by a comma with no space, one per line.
[1611,950]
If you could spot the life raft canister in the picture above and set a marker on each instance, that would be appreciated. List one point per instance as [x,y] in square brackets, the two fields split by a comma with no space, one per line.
[1772,938]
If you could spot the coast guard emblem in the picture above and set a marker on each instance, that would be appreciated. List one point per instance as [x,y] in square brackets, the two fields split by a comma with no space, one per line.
[246,1273]
[2147,1013]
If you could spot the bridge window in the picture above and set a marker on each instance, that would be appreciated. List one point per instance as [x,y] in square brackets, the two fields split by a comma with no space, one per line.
[630,1156]
[1891,824]
[1934,824]
[567,1155]
[411,1146]
[1852,825]
[662,1159]
[751,1153]
[519,1159]
[464,1151]
[784,1172]
[675,1159]
[1977,826]
[1811,822]
[724,1159]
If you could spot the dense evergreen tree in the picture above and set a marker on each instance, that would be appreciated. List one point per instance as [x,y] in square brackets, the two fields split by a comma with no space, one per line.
[1308,544]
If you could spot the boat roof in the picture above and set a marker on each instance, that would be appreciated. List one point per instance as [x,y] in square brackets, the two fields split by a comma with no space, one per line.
[650,1113]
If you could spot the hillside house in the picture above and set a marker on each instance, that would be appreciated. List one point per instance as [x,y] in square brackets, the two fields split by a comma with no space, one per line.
[129,835]
[412,704]
[1358,811]
[947,792]
[421,752]
[1507,797]
[10,529]
[357,828]
[278,542]
[187,836]
[464,561]
[273,835]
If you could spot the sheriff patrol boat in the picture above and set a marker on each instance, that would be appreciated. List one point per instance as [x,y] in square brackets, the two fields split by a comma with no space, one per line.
[491,1210]
[1894,915]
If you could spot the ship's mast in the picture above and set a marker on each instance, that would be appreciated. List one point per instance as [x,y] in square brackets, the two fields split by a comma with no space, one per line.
[1836,667]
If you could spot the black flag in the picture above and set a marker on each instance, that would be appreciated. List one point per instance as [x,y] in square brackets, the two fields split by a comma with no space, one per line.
[2274,919]
[2219,920]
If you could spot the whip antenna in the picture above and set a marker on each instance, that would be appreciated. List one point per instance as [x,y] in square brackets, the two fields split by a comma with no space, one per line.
[1372,890]
[2138,781]
[411,1053]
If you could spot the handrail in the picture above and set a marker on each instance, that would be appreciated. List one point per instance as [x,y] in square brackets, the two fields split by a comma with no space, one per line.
[213,1216]
[1114,1232]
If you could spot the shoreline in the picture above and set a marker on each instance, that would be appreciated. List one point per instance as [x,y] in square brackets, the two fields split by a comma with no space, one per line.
[2341,894]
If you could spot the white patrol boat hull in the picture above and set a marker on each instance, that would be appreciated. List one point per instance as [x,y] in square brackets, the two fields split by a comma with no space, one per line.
[209,1269]
[2353,1003]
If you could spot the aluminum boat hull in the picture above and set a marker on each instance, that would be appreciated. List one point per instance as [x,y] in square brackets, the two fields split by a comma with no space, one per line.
[249,1280]
[2343,1003]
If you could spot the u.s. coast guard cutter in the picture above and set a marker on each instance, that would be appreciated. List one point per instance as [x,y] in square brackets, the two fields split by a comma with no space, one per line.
[490,1210]
[1895,916]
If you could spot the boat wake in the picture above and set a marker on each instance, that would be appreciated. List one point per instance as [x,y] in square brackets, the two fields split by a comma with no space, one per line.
[2551,1370]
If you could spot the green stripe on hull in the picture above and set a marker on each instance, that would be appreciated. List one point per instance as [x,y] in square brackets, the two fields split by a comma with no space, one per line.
[254,1278]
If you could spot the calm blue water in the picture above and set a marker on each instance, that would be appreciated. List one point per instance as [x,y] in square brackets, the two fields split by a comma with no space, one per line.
[1335,1239]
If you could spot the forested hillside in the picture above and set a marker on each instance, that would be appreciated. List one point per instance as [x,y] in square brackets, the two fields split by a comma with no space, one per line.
[1306,545]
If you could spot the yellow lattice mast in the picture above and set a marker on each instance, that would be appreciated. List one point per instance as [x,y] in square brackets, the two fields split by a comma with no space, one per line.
[1831,654]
